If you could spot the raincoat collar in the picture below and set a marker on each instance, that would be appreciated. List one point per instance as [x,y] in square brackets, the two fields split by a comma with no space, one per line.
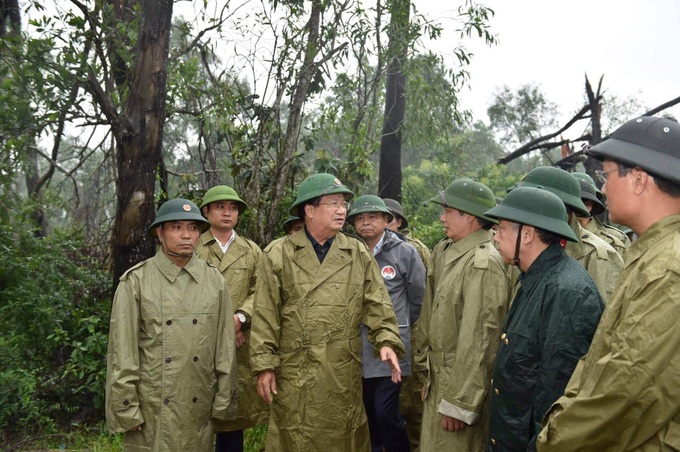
[656,233]
[170,270]
[576,249]
[457,249]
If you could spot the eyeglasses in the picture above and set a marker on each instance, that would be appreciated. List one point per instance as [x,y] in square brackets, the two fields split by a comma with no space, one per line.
[602,175]
[335,205]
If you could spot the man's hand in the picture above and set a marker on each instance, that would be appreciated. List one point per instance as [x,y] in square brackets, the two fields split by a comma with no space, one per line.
[136,429]
[237,324]
[240,339]
[387,355]
[451,424]
[266,385]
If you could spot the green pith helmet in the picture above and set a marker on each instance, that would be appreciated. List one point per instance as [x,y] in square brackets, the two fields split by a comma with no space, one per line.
[179,209]
[535,207]
[469,196]
[588,192]
[317,185]
[586,177]
[223,193]
[559,182]
[368,204]
[396,210]
[649,142]
[289,223]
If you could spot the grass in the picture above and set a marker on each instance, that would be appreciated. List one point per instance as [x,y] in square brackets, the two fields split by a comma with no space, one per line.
[97,439]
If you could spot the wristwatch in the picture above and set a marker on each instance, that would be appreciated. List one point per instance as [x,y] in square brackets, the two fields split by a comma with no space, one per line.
[241,316]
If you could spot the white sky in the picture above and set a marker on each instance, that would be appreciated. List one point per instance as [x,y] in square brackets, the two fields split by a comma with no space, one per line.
[635,44]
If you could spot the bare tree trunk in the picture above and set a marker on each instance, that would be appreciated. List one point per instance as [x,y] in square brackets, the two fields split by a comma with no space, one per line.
[139,138]
[595,103]
[389,180]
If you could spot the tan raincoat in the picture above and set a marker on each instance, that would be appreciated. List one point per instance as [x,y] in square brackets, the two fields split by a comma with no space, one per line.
[466,312]
[238,267]
[617,239]
[306,328]
[625,393]
[600,260]
[170,361]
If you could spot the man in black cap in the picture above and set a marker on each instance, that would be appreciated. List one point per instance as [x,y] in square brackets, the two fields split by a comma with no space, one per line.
[625,394]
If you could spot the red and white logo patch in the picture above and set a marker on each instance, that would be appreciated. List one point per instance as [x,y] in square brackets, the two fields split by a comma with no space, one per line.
[388,272]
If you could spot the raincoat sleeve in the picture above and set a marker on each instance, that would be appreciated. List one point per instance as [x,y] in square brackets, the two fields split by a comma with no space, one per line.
[638,378]
[378,314]
[605,270]
[247,305]
[567,328]
[123,373]
[266,321]
[421,330]
[416,278]
[225,401]
[486,298]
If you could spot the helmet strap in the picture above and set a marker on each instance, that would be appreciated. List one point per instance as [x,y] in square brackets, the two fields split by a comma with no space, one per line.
[515,260]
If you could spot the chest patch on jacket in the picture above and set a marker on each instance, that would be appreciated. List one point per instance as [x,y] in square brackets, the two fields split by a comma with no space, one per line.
[388,272]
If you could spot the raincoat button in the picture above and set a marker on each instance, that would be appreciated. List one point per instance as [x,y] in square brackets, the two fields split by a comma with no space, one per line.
[506,341]
[166,401]
[126,402]
[169,322]
[195,399]
[195,321]
[503,336]
[496,391]
[493,441]
[195,358]
[168,360]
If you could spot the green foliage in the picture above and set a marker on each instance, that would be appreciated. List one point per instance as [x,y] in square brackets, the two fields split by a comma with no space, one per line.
[53,325]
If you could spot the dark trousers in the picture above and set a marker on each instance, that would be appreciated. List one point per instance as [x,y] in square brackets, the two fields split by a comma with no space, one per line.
[386,426]
[229,441]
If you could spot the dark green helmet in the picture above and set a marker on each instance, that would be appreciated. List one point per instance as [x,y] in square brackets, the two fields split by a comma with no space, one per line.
[535,207]
[317,185]
[559,182]
[289,223]
[397,210]
[649,142]
[588,192]
[469,196]
[179,209]
[223,193]
[586,177]
[368,204]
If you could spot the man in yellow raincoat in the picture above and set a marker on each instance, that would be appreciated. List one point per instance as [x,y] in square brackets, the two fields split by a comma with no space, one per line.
[314,289]
[171,364]
[236,257]
[625,393]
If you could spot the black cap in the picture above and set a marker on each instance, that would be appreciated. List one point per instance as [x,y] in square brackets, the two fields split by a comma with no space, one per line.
[649,142]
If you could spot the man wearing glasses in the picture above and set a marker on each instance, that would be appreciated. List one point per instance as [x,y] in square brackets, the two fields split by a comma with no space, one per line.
[314,289]
[625,393]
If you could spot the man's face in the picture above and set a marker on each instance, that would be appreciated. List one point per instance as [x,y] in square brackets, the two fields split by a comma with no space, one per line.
[454,223]
[180,237]
[618,192]
[330,214]
[370,225]
[295,227]
[395,224]
[506,240]
[223,215]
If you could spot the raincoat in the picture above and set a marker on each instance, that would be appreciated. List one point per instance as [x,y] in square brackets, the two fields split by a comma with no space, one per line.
[617,239]
[238,267]
[306,327]
[462,323]
[600,260]
[625,394]
[170,360]
[548,329]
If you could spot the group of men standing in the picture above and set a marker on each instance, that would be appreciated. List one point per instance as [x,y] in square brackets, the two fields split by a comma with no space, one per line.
[500,335]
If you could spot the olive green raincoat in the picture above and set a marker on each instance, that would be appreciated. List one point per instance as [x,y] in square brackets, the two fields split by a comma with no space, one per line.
[462,323]
[306,327]
[238,267]
[600,260]
[616,238]
[625,393]
[170,361]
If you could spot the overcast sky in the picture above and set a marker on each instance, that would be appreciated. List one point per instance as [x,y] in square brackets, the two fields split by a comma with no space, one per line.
[635,44]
